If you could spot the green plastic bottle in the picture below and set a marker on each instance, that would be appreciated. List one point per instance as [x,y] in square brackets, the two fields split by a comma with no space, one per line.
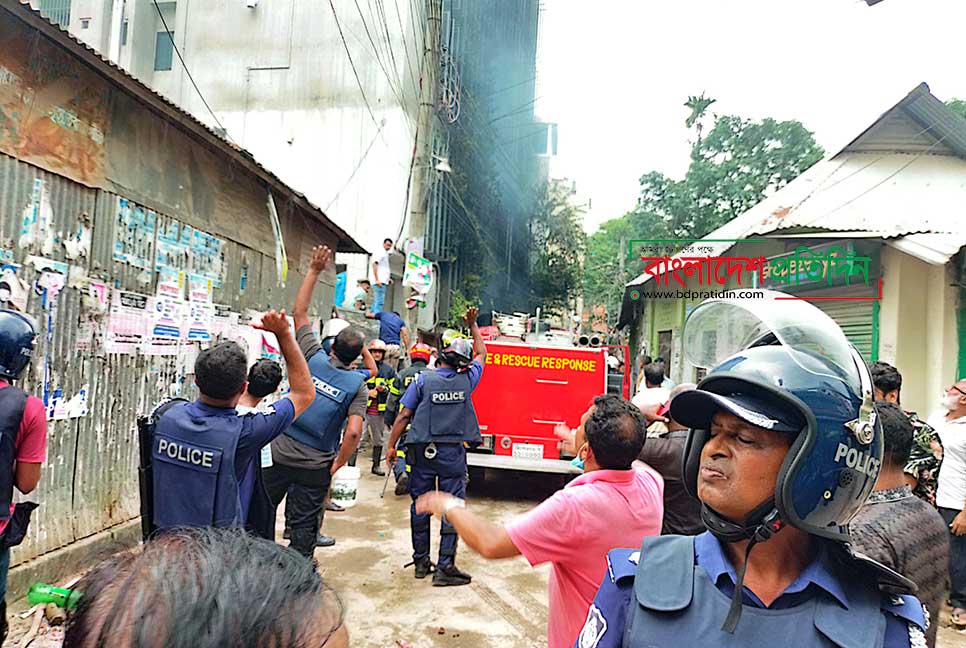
[42,594]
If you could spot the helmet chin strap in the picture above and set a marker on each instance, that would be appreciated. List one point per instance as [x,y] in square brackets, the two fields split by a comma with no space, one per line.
[763,522]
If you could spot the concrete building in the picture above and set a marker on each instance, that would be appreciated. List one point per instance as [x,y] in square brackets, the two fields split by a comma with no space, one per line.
[114,202]
[895,196]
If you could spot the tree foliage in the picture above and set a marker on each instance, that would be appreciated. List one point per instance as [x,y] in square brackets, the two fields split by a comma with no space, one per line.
[958,106]
[733,167]
[557,243]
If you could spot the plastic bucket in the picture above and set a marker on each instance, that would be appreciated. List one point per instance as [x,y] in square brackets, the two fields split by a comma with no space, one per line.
[345,486]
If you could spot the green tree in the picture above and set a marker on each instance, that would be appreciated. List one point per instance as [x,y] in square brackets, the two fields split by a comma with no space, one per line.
[557,243]
[733,167]
[958,106]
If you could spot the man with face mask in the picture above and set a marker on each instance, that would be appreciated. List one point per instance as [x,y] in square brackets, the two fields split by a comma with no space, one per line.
[950,423]
[784,448]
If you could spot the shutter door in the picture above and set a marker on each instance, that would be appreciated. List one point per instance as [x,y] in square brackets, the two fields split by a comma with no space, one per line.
[854,317]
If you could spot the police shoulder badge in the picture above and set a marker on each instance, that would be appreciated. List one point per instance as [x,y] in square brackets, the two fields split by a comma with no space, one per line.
[594,629]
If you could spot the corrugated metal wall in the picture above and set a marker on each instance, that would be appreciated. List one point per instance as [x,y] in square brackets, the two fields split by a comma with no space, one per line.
[89,482]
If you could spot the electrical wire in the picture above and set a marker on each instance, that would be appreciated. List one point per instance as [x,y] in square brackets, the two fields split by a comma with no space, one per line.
[375,51]
[188,72]
[355,73]
[358,164]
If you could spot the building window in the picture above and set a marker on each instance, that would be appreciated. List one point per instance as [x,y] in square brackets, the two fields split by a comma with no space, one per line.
[85,23]
[163,49]
[56,11]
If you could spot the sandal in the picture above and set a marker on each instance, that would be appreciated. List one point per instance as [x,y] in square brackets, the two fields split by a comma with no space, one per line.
[958,618]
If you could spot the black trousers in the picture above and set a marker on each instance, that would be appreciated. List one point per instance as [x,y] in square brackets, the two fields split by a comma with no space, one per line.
[306,488]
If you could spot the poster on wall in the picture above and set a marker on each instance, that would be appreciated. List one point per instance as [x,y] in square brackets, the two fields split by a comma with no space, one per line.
[127,322]
[133,234]
[173,247]
[200,321]
[207,256]
[167,317]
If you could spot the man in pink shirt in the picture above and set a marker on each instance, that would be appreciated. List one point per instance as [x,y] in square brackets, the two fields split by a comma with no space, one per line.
[23,441]
[609,506]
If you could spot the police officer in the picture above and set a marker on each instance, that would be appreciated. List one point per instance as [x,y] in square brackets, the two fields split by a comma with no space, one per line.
[419,357]
[784,448]
[439,406]
[23,441]
[378,386]
[200,450]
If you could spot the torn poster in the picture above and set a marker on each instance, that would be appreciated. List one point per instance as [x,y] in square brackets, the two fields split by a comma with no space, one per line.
[418,273]
[281,259]
[133,234]
[200,288]
[37,219]
[127,325]
[207,256]
[13,290]
[173,247]
[78,244]
[170,282]
[224,321]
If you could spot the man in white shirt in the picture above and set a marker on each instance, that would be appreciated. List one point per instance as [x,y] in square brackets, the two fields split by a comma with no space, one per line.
[381,272]
[950,424]
[653,393]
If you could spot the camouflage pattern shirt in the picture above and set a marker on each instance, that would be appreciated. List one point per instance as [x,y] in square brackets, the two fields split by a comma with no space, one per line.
[925,459]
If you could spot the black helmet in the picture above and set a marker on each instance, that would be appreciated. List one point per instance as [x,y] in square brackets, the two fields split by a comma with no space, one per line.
[458,353]
[16,343]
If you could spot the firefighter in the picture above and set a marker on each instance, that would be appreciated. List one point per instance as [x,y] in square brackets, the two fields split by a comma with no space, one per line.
[784,449]
[419,356]
[439,406]
[378,385]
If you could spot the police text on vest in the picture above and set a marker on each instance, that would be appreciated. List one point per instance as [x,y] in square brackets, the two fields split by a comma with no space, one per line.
[185,454]
[449,397]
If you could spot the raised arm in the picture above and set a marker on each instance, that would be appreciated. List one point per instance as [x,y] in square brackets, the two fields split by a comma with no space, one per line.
[404,333]
[479,346]
[302,392]
[321,257]
[369,362]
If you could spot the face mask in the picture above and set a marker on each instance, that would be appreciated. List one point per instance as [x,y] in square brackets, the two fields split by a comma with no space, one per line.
[577,461]
[949,401]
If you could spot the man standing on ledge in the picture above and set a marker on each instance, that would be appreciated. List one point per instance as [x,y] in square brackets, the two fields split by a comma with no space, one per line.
[439,406]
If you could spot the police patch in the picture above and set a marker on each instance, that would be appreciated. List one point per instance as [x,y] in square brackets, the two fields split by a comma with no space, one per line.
[326,389]
[594,629]
[449,397]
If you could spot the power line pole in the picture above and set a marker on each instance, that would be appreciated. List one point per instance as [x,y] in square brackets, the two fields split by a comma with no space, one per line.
[428,94]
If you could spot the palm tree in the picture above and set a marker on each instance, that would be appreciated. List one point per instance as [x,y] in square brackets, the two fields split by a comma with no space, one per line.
[698,106]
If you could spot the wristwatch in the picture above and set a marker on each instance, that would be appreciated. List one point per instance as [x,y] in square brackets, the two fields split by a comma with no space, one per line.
[451,503]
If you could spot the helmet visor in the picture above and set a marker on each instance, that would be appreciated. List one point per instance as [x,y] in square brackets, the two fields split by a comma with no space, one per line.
[720,328]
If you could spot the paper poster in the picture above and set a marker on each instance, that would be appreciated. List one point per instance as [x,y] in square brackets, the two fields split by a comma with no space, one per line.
[37,218]
[207,256]
[127,324]
[418,273]
[133,234]
[98,292]
[167,317]
[173,246]
[224,321]
[200,321]
[200,288]
[170,282]
[281,258]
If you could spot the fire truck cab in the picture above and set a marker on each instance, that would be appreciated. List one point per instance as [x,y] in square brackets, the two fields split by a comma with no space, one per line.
[527,390]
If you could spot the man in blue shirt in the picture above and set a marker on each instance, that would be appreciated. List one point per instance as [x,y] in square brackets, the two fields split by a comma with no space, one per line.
[784,448]
[440,407]
[392,331]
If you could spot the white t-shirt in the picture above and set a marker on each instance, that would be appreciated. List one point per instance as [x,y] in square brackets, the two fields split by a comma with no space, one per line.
[266,457]
[651,396]
[951,491]
[383,272]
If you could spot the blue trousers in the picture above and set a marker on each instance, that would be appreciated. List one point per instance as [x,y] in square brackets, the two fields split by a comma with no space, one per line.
[446,472]
[378,298]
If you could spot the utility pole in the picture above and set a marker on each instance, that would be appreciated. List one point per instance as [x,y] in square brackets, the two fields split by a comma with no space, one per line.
[428,95]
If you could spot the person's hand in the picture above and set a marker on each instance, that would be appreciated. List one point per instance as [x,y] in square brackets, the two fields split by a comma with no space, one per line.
[568,442]
[321,256]
[377,283]
[432,503]
[273,322]
[958,526]
[391,456]
[470,316]
[373,393]
[335,466]
[380,388]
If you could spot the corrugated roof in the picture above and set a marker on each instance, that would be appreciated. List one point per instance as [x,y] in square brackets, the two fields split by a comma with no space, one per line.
[172,112]
[916,201]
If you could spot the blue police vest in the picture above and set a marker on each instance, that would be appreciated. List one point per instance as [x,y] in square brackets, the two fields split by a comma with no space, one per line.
[320,425]
[445,413]
[675,604]
[193,460]
[13,401]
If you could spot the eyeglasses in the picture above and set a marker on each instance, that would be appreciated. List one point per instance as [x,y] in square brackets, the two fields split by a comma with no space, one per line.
[957,389]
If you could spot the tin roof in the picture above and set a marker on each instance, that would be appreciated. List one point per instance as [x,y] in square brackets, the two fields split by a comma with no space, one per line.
[167,110]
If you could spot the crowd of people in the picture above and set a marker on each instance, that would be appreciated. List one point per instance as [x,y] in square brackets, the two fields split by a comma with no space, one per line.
[786,497]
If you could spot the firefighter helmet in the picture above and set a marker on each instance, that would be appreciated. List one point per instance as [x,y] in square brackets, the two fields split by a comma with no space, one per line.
[377,345]
[420,351]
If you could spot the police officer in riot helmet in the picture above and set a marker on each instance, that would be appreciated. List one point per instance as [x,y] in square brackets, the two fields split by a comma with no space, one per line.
[439,406]
[784,448]
[419,357]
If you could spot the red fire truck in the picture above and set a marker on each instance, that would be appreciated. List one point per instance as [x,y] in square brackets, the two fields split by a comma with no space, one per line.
[527,390]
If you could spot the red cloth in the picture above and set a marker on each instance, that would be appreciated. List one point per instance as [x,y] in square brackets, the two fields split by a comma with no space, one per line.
[30,445]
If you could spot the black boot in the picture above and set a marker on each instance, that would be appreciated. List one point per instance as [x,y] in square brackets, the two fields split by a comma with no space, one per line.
[376,460]
[450,576]
[402,486]
[424,567]
[323,540]
[303,541]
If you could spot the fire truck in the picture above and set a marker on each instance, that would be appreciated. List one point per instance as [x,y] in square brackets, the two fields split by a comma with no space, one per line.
[528,389]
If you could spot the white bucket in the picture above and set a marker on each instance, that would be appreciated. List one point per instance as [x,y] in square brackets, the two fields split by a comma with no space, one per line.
[345,485]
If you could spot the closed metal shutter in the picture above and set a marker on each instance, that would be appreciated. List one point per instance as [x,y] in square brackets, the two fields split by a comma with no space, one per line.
[855,317]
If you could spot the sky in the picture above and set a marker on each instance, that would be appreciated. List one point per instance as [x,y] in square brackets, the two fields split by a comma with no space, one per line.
[615,75]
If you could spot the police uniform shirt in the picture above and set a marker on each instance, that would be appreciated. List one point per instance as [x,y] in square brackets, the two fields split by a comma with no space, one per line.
[607,617]
[289,452]
[257,431]
[390,327]
[415,391]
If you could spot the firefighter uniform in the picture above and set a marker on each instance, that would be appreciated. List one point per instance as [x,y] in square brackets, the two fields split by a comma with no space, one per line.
[376,407]
[443,421]
[397,388]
